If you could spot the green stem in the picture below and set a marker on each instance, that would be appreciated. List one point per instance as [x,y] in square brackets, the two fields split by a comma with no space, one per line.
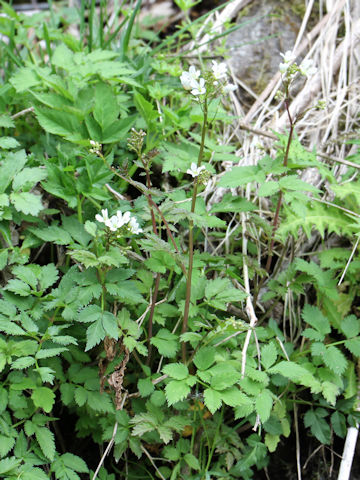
[191,237]
[79,209]
[211,452]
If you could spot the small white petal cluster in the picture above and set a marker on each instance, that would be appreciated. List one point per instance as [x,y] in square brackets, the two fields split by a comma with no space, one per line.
[194,170]
[191,81]
[96,147]
[118,221]
[307,68]
[219,71]
[288,59]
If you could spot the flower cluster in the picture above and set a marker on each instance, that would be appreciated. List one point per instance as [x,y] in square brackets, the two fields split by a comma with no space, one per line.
[95,147]
[217,78]
[194,170]
[119,221]
[307,68]
[136,141]
[290,69]
[288,59]
[191,81]
[200,173]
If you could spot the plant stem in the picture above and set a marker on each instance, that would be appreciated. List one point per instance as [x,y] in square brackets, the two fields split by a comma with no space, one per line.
[191,237]
[279,203]
[157,280]
[79,209]
[278,206]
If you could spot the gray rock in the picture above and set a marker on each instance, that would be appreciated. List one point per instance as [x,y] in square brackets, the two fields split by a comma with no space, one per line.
[270,27]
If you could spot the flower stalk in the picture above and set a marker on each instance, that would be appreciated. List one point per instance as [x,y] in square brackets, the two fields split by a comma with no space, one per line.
[191,232]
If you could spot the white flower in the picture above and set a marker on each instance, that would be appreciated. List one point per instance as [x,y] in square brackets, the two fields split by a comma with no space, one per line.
[134,226]
[96,147]
[189,79]
[307,68]
[283,68]
[194,170]
[104,218]
[229,88]
[219,70]
[118,221]
[288,56]
[199,88]
[122,219]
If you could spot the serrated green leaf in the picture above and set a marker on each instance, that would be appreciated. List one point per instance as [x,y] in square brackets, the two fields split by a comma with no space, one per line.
[292,182]
[318,425]
[145,387]
[224,380]
[312,334]
[178,371]
[110,325]
[48,276]
[330,391]
[11,328]
[165,433]
[350,326]
[166,342]
[297,374]
[52,234]
[205,357]
[3,399]
[9,464]
[57,122]
[27,203]
[12,164]
[91,313]
[50,352]
[74,462]
[94,334]
[314,317]
[80,396]
[17,286]
[6,444]
[335,360]
[90,228]
[6,121]
[24,78]
[268,355]
[321,217]
[238,176]
[272,441]
[234,397]
[106,108]
[212,399]
[231,203]
[46,441]
[338,423]
[176,390]
[220,292]
[28,177]
[67,393]
[46,374]
[44,398]
[8,143]
[263,405]
[353,344]
[268,188]
[192,461]
[22,363]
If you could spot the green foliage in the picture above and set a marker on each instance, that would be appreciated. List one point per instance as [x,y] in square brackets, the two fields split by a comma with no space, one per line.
[100,268]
